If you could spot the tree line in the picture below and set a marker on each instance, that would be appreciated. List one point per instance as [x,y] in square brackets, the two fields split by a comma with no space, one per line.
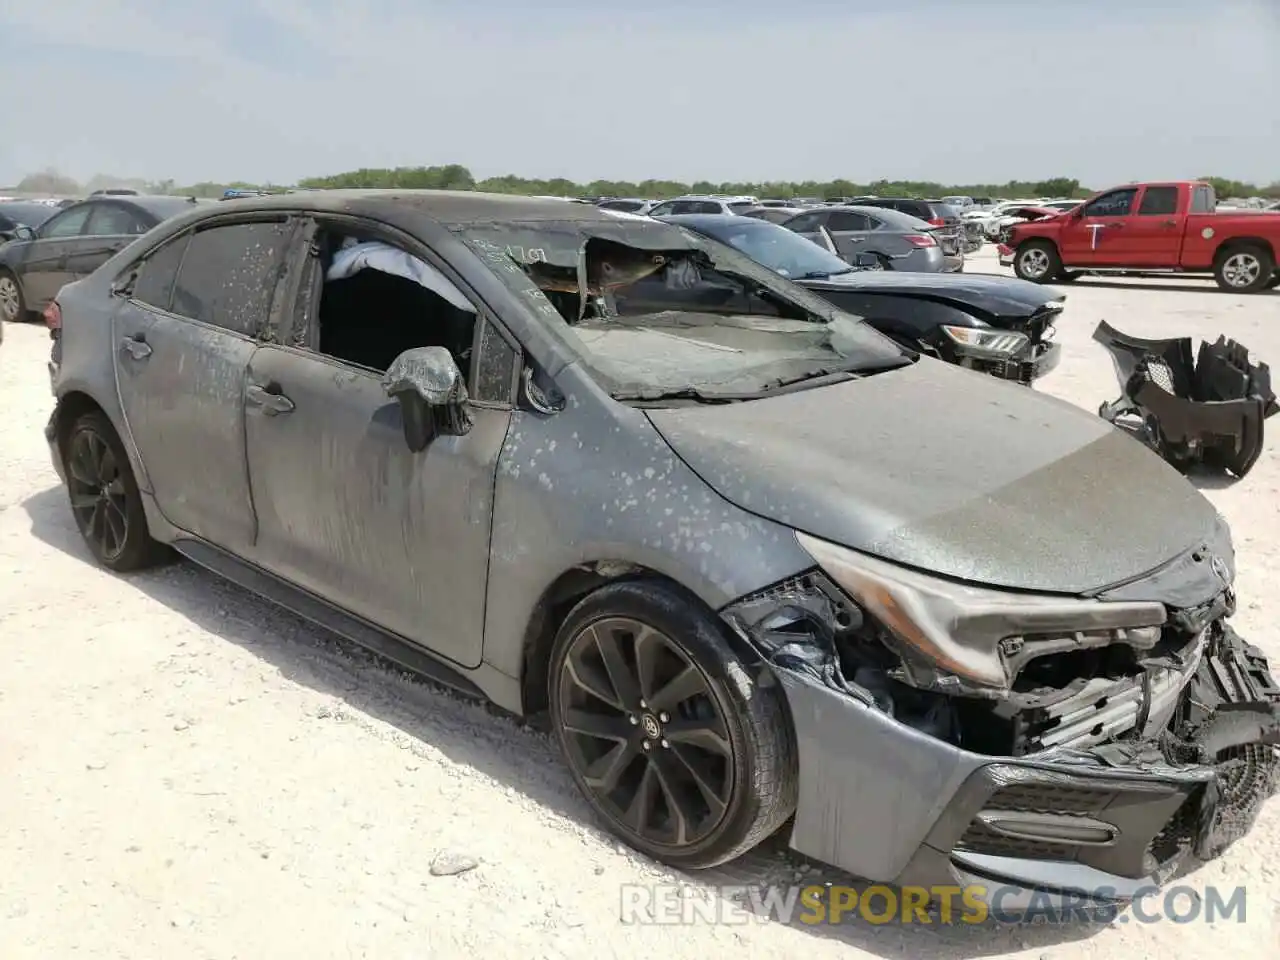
[454,176]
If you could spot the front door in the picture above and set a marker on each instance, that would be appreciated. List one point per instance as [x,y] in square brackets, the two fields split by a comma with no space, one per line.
[348,512]
[1096,237]
[44,267]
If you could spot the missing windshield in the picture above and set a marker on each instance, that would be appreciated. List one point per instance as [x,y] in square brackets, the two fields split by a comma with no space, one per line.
[655,312]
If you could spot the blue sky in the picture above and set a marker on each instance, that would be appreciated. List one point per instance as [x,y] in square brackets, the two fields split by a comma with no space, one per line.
[983,91]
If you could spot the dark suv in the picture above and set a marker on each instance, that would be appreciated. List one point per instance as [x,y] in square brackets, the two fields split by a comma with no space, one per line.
[950,232]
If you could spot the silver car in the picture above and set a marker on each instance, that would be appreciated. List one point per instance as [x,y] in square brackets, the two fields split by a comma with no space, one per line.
[761,566]
[895,240]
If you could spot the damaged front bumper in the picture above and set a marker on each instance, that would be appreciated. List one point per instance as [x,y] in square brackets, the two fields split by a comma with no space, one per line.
[1111,797]
[1026,366]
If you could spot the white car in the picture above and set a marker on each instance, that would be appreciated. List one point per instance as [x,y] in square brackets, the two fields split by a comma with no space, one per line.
[693,203]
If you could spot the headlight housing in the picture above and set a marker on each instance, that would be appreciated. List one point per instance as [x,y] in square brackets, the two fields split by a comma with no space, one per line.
[970,638]
[987,340]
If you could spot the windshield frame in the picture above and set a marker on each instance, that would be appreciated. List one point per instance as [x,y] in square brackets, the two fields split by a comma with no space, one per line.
[483,238]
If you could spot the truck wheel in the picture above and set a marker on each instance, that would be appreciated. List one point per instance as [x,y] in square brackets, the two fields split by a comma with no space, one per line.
[1037,261]
[1246,268]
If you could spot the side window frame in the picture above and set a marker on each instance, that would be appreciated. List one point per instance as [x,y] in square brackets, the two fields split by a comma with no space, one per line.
[1133,197]
[135,271]
[817,218]
[1164,190]
[107,207]
[41,235]
[279,270]
[281,329]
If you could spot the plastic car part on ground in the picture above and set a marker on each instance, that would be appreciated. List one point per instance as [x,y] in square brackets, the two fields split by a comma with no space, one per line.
[1207,408]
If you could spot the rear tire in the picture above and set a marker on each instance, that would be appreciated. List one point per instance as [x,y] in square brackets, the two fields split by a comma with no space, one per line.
[1037,261]
[1244,268]
[104,497]
[645,693]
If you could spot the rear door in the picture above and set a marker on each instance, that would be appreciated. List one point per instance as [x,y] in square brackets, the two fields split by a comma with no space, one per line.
[1095,237]
[112,226]
[849,230]
[1152,237]
[184,338]
[44,269]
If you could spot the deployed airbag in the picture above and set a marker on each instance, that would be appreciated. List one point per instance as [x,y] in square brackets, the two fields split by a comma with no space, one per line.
[375,255]
[1208,408]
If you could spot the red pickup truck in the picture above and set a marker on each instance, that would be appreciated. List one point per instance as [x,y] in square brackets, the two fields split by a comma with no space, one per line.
[1150,228]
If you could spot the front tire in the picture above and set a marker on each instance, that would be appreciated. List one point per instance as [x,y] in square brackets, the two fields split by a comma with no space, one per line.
[665,732]
[1037,261]
[104,497]
[1246,268]
[13,307]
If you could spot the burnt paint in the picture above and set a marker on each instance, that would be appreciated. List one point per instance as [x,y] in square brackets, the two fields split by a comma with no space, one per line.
[347,511]
[996,484]
[184,405]
[597,482]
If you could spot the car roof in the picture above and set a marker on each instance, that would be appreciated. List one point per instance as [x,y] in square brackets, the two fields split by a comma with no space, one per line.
[711,219]
[894,218]
[443,206]
[161,207]
[17,210]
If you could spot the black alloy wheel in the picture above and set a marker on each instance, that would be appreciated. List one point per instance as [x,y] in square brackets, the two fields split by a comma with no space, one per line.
[104,497]
[684,766]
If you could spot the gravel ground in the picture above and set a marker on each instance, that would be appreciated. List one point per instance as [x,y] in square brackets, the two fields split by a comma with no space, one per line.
[190,772]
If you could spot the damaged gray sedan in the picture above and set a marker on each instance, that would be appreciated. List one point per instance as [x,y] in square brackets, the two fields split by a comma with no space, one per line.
[764,567]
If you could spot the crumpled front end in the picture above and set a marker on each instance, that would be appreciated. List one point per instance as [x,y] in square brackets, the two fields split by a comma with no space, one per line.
[1086,760]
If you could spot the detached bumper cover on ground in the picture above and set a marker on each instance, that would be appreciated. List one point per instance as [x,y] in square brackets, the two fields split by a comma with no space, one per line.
[1190,408]
[1190,765]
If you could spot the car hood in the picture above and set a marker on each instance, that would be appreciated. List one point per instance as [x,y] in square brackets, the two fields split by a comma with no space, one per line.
[951,471]
[1001,296]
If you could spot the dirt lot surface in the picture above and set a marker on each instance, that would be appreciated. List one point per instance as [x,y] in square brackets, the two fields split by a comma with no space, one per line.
[186,771]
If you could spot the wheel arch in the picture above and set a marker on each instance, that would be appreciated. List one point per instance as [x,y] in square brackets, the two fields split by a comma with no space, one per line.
[1235,243]
[563,594]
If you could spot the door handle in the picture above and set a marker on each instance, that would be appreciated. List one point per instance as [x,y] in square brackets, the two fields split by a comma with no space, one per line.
[136,347]
[1170,223]
[1115,226]
[272,402]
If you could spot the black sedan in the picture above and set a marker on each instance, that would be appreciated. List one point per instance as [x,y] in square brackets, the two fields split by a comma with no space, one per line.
[73,242]
[998,325]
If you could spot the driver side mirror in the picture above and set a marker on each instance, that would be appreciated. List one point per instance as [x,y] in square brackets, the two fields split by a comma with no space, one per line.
[23,232]
[432,393]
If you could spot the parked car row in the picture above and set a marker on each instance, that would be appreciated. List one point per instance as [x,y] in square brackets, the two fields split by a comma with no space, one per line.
[48,246]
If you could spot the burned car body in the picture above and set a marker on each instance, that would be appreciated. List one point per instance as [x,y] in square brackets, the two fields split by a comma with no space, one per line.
[1208,410]
[996,325]
[411,417]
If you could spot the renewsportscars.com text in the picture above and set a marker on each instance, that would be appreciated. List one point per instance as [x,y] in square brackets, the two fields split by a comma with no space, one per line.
[675,904]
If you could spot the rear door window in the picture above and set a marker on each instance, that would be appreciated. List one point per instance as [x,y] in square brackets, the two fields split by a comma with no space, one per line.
[229,275]
[844,222]
[1202,200]
[154,285]
[807,222]
[108,219]
[1159,202]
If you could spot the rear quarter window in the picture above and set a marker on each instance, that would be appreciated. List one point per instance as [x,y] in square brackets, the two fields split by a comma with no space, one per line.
[154,285]
[229,275]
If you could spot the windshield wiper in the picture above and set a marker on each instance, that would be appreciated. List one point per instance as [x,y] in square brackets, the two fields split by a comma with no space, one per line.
[861,369]
[683,393]
[824,274]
